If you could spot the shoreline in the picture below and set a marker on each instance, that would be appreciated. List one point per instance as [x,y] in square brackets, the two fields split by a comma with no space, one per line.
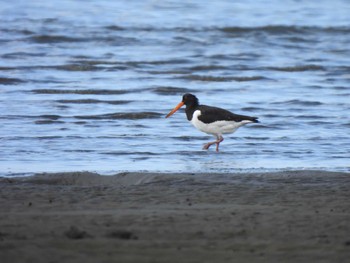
[22,174]
[290,216]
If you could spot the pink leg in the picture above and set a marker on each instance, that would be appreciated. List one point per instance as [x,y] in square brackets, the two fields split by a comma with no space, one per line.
[217,142]
[220,139]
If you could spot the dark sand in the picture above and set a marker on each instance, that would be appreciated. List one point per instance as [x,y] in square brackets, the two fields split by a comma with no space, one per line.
[297,216]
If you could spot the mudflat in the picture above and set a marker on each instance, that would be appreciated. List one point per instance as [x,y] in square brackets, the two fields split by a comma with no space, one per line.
[288,216]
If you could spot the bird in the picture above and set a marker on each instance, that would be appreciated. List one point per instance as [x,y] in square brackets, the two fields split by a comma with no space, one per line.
[211,120]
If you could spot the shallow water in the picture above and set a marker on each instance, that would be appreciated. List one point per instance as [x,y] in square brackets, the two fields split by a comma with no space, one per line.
[86,85]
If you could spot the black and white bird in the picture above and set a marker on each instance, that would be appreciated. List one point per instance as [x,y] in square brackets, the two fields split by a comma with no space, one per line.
[211,120]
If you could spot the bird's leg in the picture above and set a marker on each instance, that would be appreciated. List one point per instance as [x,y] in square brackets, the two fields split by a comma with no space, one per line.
[219,139]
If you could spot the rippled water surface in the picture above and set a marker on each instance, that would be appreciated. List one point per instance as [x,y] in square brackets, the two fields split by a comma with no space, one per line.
[85,85]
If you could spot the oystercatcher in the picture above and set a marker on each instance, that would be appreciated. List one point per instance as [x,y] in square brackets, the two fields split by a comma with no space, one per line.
[211,120]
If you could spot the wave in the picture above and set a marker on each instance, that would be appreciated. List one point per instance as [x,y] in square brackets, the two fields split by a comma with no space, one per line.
[128,153]
[94,101]
[49,39]
[299,102]
[54,39]
[298,68]
[47,122]
[222,79]
[271,29]
[171,90]
[83,92]
[118,35]
[10,81]
[286,29]
[20,55]
[122,115]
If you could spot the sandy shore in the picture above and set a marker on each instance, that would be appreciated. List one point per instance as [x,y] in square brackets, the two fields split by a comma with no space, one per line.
[296,216]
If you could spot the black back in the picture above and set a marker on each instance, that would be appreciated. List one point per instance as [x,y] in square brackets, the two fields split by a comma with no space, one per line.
[211,114]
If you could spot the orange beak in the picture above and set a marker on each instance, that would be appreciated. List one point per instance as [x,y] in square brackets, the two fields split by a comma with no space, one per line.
[178,106]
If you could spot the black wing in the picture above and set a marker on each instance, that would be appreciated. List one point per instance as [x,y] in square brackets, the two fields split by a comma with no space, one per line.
[212,114]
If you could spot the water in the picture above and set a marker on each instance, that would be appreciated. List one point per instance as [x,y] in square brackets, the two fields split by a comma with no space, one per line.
[85,85]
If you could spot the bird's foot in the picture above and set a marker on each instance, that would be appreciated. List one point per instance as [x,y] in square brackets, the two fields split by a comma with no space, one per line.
[217,142]
[207,145]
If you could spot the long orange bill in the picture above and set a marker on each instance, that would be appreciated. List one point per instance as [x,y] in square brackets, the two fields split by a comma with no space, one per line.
[178,106]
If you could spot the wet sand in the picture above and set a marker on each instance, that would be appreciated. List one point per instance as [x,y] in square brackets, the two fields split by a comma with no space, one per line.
[294,216]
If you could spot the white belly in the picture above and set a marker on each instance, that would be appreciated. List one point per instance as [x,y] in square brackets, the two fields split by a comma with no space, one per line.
[217,127]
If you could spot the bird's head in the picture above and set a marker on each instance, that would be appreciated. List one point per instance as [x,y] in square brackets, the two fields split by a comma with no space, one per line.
[190,100]
[187,99]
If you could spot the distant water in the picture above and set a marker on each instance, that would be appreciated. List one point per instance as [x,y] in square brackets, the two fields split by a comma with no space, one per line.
[85,85]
